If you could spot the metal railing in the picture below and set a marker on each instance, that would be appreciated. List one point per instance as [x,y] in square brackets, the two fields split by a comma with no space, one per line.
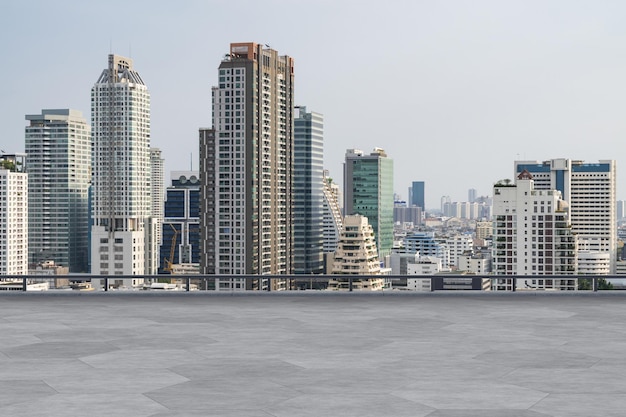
[350,283]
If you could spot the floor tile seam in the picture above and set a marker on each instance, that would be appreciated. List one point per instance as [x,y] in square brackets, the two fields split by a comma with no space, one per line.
[538,402]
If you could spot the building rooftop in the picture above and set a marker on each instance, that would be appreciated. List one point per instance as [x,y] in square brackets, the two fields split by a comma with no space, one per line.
[312,354]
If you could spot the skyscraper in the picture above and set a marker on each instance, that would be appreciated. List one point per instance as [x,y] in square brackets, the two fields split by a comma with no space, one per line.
[157,194]
[308,192]
[58,145]
[121,171]
[13,216]
[590,190]
[417,195]
[181,231]
[246,166]
[368,191]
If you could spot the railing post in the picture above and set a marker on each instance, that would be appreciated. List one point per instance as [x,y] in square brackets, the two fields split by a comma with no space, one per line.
[594,283]
[106,284]
[350,284]
[24,284]
[188,283]
[513,284]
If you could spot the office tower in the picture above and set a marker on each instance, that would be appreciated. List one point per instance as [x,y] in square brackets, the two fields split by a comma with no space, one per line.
[246,167]
[590,190]
[417,195]
[58,145]
[356,254]
[181,224]
[332,218]
[472,195]
[368,191]
[532,235]
[13,215]
[308,192]
[120,128]
[154,224]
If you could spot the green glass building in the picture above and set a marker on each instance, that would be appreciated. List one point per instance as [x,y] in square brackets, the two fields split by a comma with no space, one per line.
[368,191]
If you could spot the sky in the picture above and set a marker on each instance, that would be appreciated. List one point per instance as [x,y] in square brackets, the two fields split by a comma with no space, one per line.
[454,91]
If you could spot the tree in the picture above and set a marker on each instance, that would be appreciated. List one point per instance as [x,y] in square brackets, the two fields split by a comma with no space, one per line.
[586,283]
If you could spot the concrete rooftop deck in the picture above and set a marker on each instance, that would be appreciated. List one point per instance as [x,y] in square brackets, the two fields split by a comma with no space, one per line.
[312,354]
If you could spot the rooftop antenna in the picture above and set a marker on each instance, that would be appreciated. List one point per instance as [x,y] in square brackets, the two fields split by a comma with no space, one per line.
[110,46]
[191,161]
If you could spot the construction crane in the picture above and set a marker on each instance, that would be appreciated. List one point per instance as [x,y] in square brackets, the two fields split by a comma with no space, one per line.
[169,263]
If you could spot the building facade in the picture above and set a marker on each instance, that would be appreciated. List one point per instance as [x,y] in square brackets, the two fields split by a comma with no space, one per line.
[368,191]
[356,254]
[532,234]
[332,218]
[248,166]
[590,190]
[122,203]
[13,218]
[308,192]
[417,195]
[181,222]
[58,145]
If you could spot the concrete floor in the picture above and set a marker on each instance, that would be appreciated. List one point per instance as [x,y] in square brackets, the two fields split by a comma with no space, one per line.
[312,354]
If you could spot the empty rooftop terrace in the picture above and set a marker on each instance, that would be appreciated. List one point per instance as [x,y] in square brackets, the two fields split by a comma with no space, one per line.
[313,354]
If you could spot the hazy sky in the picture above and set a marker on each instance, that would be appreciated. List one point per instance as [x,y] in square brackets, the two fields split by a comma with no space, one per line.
[455,91]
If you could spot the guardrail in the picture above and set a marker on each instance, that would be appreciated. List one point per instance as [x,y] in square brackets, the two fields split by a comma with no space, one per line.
[349,283]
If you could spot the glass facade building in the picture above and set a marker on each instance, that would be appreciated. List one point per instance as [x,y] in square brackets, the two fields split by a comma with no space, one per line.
[368,191]
[58,145]
[308,192]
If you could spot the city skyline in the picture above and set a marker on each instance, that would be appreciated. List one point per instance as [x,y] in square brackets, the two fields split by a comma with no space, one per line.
[437,85]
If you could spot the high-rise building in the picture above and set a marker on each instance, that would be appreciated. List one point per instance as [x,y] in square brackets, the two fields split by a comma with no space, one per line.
[368,191]
[308,192]
[154,224]
[120,127]
[247,167]
[417,194]
[426,244]
[181,228]
[332,218]
[590,190]
[58,145]
[472,194]
[13,216]
[532,235]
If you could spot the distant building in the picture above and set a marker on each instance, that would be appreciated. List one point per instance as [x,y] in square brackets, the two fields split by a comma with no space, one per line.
[13,217]
[58,145]
[181,223]
[368,191]
[426,244]
[332,218]
[308,192]
[471,195]
[532,233]
[590,190]
[417,192]
[478,263]
[356,254]
[246,169]
[407,215]
[457,246]
[484,230]
[121,202]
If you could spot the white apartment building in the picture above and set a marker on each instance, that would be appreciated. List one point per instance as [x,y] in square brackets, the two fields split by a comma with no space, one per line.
[532,233]
[458,245]
[425,265]
[58,145]
[477,263]
[590,190]
[122,202]
[356,254]
[13,221]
